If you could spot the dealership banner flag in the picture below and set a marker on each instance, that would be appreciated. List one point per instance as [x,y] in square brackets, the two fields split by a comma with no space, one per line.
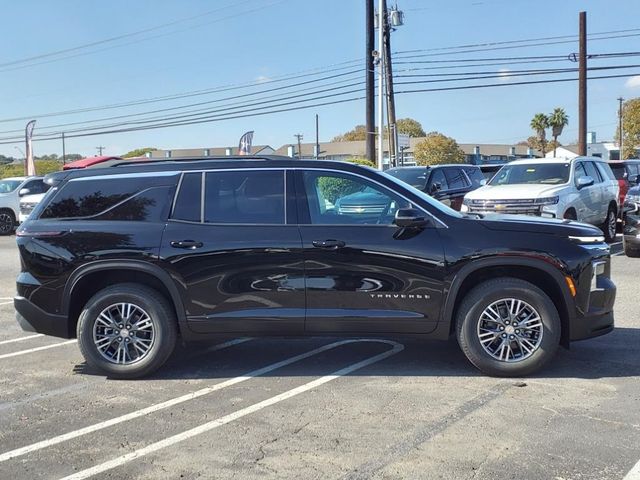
[244,147]
[29,165]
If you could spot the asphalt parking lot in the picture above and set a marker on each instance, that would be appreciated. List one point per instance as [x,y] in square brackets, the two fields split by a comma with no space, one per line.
[321,408]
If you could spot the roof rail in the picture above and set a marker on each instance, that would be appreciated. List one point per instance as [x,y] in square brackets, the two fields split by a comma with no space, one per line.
[148,161]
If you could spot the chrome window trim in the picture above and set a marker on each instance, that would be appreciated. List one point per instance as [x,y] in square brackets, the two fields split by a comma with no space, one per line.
[292,169]
[120,176]
[175,195]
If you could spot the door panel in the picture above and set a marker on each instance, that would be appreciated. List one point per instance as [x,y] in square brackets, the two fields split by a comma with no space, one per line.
[236,276]
[364,274]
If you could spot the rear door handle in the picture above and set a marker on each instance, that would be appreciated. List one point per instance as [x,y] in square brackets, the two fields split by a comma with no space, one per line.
[328,244]
[189,244]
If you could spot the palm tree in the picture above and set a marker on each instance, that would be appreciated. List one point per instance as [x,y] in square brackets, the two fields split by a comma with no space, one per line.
[557,121]
[540,123]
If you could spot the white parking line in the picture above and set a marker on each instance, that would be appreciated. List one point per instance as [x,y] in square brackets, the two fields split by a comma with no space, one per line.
[6,303]
[4,342]
[634,473]
[206,427]
[37,349]
[175,401]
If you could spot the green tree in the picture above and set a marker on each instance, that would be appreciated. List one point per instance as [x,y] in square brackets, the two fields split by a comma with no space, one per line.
[630,128]
[436,149]
[539,124]
[334,188]
[138,152]
[557,121]
[359,132]
[411,127]
[42,168]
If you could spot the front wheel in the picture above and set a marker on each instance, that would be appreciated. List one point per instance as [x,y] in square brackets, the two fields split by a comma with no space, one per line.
[508,327]
[630,250]
[127,331]
[7,222]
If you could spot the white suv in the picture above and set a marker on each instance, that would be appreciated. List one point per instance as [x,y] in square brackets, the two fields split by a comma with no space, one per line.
[11,189]
[582,189]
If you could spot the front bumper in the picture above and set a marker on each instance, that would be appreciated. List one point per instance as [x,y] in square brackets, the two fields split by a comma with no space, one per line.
[33,319]
[598,319]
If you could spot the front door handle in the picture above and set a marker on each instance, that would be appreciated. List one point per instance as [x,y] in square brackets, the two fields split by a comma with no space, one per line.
[189,244]
[328,244]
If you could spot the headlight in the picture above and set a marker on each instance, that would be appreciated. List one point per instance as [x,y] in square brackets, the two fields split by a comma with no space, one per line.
[588,239]
[547,200]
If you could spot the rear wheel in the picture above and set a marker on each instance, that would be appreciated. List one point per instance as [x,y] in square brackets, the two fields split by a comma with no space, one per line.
[610,226]
[127,331]
[7,222]
[630,250]
[508,327]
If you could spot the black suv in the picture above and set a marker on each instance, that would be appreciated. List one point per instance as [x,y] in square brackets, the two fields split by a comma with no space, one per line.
[447,183]
[129,258]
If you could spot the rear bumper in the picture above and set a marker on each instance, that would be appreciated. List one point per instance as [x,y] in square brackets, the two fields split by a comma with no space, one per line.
[599,319]
[33,319]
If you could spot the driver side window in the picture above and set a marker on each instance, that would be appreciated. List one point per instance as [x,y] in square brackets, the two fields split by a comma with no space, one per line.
[343,199]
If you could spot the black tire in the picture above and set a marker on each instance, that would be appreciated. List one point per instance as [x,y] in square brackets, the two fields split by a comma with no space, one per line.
[164,328]
[7,222]
[486,294]
[610,226]
[570,214]
[629,250]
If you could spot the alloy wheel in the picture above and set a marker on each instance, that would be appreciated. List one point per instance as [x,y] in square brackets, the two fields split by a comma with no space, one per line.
[123,333]
[6,223]
[611,224]
[510,330]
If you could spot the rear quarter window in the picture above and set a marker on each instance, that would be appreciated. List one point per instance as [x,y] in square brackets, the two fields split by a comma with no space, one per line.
[129,199]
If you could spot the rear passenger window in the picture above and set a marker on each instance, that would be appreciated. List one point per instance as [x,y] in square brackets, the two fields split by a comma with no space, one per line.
[593,172]
[244,197]
[110,199]
[455,178]
[605,171]
[188,201]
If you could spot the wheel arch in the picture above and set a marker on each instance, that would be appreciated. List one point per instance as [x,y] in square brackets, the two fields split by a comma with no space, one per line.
[546,277]
[89,279]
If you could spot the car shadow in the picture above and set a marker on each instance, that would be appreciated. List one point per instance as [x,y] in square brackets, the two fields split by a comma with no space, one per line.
[613,355]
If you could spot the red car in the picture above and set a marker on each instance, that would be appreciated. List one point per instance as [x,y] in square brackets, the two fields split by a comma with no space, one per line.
[627,173]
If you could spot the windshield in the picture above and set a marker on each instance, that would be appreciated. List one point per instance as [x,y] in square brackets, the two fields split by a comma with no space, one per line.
[426,198]
[7,186]
[416,177]
[544,173]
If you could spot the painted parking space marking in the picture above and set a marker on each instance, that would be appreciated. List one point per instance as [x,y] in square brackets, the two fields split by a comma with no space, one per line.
[634,473]
[21,339]
[6,303]
[178,400]
[213,424]
[36,349]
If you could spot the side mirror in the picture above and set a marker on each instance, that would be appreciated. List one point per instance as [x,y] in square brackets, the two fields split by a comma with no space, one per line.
[23,192]
[634,180]
[435,188]
[410,218]
[584,182]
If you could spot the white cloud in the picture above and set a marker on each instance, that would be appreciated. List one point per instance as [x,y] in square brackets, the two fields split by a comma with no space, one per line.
[262,79]
[633,82]
[504,75]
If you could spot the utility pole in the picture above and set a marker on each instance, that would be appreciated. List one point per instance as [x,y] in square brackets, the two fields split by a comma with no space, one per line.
[620,134]
[370,83]
[100,149]
[582,86]
[317,152]
[299,137]
[391,102]
[381,25]
[64,155]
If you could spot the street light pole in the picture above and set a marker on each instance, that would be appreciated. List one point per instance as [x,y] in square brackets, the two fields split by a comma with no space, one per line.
[620,133]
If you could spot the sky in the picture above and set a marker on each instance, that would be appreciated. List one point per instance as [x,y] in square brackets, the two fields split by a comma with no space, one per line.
[170,47]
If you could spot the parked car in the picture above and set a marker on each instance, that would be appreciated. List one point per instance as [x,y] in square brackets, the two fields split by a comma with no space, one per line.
[490,169]
[631,227]
[582,189]
[27,204]
[11,190]
[447,183]
[130,258]
[627,172]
